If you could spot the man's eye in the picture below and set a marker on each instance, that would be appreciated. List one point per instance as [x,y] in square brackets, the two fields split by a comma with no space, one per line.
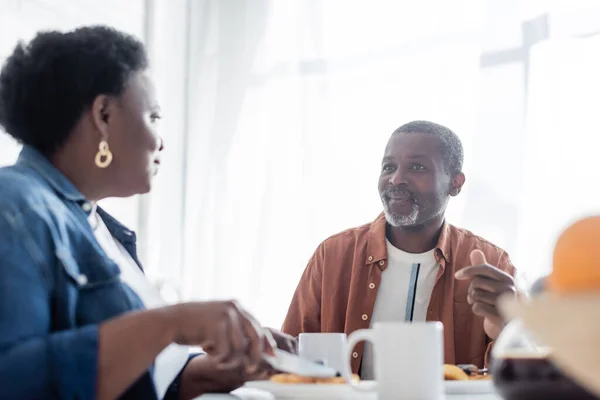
[154,117]
[417,167]
[387,168]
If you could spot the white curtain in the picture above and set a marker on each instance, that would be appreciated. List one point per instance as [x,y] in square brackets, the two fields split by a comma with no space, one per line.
[276,114]
[293,103]
[561,171]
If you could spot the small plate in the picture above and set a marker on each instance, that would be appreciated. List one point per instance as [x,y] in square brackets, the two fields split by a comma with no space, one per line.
[483,386]
[288,391]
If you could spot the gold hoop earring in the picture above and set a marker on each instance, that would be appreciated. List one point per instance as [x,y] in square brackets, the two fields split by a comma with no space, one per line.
[104,155]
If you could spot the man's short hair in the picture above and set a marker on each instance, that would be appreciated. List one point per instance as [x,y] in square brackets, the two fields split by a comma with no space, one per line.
[450,145]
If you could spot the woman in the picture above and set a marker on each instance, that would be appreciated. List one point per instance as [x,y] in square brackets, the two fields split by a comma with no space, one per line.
[77,318]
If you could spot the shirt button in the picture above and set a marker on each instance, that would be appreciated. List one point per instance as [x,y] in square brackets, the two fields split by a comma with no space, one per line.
[87,207]
[365,317]
[355,355]
[82,279]
[370,258]
[371,285]
[382,262]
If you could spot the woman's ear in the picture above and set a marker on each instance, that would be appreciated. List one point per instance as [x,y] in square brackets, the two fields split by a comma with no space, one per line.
[101,114]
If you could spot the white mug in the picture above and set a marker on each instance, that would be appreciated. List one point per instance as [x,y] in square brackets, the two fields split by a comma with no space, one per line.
[326,348]
[408,360]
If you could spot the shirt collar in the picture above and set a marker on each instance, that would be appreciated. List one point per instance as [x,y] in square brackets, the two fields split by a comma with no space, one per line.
[32,158]
[377,250]
[93,217]
[116,229]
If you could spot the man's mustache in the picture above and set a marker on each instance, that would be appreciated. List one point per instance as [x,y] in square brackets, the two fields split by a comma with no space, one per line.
[397,191]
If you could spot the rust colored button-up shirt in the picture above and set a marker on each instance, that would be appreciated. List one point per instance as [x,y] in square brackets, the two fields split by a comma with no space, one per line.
[338,289]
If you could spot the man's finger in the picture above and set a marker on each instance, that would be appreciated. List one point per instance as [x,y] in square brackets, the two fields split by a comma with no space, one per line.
[482,296]
[485,271]
[487,311]
[477,257]
[491,285]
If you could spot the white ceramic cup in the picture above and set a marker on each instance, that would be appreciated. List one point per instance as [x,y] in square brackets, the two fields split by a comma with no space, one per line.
[326,348]
[408,360]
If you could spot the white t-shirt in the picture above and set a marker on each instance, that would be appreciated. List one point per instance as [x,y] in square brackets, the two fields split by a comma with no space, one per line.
[172,359]
[393,293]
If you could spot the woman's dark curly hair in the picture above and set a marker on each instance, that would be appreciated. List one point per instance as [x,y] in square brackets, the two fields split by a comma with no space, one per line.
[46,85]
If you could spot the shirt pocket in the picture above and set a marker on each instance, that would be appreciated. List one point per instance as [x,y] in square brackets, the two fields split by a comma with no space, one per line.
[93,289]
[93,272]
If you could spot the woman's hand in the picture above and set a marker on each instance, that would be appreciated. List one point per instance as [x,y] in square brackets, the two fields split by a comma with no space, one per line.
[232,338]
[284,341]
[129,343]
[203,375]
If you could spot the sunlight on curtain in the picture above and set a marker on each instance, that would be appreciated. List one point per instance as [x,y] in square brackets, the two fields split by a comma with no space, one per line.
[561,170]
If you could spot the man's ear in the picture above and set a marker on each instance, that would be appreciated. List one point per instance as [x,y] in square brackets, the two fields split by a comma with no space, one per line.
[458,180]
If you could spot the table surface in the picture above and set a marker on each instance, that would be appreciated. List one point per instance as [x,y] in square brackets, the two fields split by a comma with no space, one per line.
[253,394]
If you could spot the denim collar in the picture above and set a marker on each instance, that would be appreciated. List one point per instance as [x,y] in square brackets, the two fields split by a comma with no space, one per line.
[32,158]
[61,185]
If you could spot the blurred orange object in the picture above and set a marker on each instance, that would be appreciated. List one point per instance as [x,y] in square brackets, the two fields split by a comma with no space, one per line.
[576,262]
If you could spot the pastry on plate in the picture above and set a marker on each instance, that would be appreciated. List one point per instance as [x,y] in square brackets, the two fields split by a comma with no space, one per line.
[337,380]
[293,378]
[454,373]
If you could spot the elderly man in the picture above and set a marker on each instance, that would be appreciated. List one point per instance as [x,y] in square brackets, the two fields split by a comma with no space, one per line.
[409,264]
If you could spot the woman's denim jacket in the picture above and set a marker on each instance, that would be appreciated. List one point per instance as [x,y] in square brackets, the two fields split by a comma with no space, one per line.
[56,286]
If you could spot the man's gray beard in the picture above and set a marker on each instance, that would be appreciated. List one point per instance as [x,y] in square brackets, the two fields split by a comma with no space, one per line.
[397,220]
